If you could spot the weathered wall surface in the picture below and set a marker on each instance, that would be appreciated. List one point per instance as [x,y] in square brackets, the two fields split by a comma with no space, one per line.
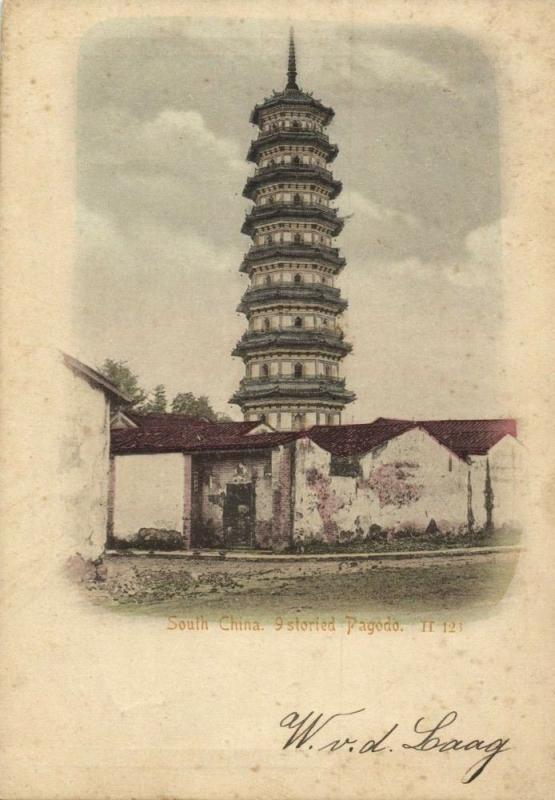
[403,485]
[283,489]
[400,487]
[416,480]
[215,472]
[506,479]
[84,463]
[149,493]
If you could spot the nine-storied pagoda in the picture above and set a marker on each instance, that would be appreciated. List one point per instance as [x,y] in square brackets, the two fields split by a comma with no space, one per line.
[294,344]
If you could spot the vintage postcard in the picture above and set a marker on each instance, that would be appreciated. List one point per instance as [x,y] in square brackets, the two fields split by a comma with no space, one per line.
[277,369]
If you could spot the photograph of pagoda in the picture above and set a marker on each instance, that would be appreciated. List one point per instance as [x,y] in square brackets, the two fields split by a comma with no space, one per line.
[294,345]
[338,439]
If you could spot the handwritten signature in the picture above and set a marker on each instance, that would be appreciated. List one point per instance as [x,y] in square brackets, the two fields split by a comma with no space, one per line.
[307,731]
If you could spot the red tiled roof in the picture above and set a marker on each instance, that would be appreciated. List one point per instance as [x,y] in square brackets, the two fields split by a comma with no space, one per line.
[352,440]
[470,437]
[170,433]
[464,437]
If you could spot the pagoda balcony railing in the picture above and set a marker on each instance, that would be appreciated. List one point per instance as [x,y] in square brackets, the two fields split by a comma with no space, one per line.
[300,168]
[309,380]
[295,136]
[292,133]
[281,209]
[294,338]
[294,290]
[335,333]
[262,249]
[309,387]
[290,171]
[302,208]
[283,251]
[279,291]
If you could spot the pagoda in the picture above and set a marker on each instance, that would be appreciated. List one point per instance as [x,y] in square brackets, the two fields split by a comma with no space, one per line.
[294,345]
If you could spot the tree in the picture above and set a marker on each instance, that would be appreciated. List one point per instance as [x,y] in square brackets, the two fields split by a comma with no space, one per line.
[187,403]
[127,382]
[488,499]
[158,403]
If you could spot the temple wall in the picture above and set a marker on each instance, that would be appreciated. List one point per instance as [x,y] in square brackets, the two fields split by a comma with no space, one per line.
[506,470]
[214,474]
[83,463]
[283,488]
[402,485]
[149,494]
[302,493]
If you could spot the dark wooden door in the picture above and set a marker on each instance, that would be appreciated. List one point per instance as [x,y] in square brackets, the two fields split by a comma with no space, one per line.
[239,515]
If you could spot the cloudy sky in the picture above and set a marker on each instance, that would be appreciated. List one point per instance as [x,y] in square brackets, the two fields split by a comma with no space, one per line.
[162,132]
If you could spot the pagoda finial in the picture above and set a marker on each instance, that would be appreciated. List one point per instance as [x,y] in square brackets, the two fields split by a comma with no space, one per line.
[292,65]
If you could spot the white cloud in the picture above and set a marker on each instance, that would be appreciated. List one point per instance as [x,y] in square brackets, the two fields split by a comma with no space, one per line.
[185,129]
[152,245]
[174,139]
[356,203]
[392,65]
[476,270]
[483,246]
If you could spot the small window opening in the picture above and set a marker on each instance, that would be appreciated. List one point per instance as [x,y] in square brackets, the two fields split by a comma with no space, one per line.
[298,421]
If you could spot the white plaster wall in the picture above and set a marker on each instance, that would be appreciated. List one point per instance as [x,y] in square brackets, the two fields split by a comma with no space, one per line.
[506,460]
[149,493]
[443,492]
[84,463]
[327,504]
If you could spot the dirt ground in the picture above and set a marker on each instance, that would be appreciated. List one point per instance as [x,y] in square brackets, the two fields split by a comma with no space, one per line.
[183,587]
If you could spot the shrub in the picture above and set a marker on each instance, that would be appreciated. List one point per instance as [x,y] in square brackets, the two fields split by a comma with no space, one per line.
[151,539]
[376,532]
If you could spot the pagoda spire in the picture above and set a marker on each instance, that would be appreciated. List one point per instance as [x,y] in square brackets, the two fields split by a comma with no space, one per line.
[292,64]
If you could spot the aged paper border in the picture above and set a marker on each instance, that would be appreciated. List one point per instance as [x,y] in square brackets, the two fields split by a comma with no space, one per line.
[96,708]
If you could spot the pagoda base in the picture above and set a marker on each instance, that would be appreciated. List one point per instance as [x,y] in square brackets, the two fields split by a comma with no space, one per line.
[294,417]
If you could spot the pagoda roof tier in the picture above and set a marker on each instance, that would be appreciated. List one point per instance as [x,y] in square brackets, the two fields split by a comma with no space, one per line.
[262,253]
[293,340]
[292,136]
[290,211]
[292,172]
[278,293]
[292,100]
[286,386]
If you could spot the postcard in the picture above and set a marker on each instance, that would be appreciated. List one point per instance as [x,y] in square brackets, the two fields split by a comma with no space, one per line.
[277,346]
